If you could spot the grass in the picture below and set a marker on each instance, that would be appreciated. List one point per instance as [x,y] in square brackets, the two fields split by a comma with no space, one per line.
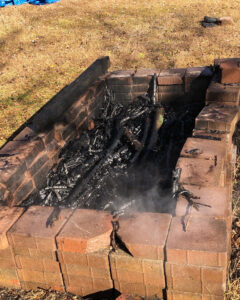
[233,292]
[43,48]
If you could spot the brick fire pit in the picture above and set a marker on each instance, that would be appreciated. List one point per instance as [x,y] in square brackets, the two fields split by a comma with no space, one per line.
[184,255]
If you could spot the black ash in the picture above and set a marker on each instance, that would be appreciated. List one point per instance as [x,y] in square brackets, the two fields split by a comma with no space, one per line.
[125,161]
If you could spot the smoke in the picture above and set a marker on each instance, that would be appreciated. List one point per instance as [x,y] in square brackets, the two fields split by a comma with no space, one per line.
[139,190]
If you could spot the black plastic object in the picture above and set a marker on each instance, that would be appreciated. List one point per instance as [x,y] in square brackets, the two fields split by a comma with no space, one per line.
[211,20]
[205,24]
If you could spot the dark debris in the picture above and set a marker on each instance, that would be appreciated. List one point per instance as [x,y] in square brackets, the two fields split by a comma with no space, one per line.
[108,169]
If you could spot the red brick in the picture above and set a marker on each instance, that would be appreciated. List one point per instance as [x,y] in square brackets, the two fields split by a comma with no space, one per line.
[6,253]
[211,134]
[98,259]
[183,271]
[222,94]
[216,197]
[154,291]
[186,285]
[230,71]
[196,80]
[81,118]
[37,264]
[54,278]
[134,95]
[130,288]
[47,137]
[23,150]
[124,97]
[101,284]
[10,283]
[86,231]
[171,79]
[126,89]
[214,275]
[134,232]
[216,289]
[36,253]
[40,177]
[144,76]
[81,291]
[3,190]
[76,269]
[8,216]
[177,256]
[212,297]
[78,281]
[31,231]
[124,266]
[70,132]
[170,96]
[176,295]
[120,77]
[76,290]
[12,175]
[218,61]
[72,258]
[199,172]
[64,132]
[175,90]
[127,276]
[20,251]
[206,149]
[77,107]
[217,117]
[126,297]
[38,162]
[152,267]
[7,263]
[100,273]
[8,274]
[36,285]
[154,279]
[205,241]
[140,88]
[25,134]
[176,72]
[22,192]
[41,277]
[202,258]
[121,261]
[29,275]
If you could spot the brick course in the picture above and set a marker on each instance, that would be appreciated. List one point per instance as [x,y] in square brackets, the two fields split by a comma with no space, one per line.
[190,247]
[200,172]
[217,117]
[145,245]
[86,231]
[75,253]
[230,71]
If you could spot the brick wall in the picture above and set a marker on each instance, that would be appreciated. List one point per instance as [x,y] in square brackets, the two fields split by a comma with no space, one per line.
[179,257]
[27,157]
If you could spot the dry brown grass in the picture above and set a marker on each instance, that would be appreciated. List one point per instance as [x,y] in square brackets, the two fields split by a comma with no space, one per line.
[233,292]
[43,48]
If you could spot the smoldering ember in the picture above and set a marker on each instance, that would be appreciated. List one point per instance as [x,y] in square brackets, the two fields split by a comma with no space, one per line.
[122,183]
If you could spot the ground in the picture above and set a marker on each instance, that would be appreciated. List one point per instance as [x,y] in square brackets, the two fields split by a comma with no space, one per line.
[43,48]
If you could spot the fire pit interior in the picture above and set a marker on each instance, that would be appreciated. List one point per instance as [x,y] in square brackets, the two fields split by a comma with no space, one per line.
[123,182]
[124,157]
